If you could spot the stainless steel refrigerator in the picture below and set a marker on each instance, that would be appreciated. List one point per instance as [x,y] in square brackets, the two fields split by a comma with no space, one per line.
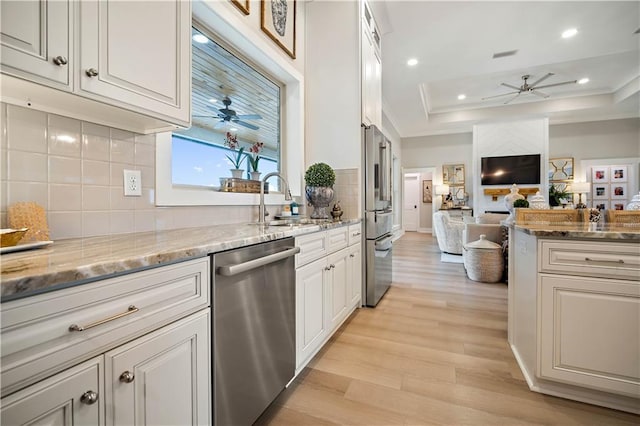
[378,214]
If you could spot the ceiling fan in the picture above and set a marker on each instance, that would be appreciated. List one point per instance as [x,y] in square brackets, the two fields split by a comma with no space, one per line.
[532,88]
[228,116]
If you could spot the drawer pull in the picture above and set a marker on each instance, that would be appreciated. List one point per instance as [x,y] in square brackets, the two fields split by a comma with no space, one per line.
[75,327]
[89,397]
[588,259]
[355,234]
[127,377]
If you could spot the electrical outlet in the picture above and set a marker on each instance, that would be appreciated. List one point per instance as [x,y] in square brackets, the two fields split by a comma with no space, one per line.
[132,183]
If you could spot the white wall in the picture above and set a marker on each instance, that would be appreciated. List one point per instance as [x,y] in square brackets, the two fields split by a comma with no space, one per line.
[508,138]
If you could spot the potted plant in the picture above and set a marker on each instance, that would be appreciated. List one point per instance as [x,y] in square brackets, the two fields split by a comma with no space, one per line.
[556,195]
[319,179]
[231,142]
[253,160]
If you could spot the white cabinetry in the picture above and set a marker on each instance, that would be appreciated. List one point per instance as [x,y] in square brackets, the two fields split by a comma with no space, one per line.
[150,331]
[326,290]
[574,307]
[107,65]
[371,69]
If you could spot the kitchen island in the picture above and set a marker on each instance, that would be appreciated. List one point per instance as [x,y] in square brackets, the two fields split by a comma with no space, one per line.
[574,311]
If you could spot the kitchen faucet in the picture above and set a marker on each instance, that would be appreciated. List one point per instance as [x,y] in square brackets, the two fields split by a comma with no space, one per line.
[287,194]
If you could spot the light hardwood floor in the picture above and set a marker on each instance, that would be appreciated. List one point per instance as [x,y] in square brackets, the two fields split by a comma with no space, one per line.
[434,351]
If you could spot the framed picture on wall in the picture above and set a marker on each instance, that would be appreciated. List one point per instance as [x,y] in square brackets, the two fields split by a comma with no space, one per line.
[600,192]
[618,174]
[243,5]
[599,174]
[618,191]
[278,21]
[601,204]
[560,169]
[618,204]
[427,191]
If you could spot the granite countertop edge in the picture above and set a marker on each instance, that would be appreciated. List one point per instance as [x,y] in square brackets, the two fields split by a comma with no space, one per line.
[81,260]
[582,230]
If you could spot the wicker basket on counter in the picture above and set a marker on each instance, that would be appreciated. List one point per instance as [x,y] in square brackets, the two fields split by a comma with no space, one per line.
[483,260]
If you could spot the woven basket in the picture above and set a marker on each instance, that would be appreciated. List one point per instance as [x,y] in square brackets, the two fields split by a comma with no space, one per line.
[484,262]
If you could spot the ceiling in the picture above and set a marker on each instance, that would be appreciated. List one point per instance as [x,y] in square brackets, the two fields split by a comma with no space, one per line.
[454,43]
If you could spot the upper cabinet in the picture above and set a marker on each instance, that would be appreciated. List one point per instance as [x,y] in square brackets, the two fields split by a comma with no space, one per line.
[124,64]
[371,69]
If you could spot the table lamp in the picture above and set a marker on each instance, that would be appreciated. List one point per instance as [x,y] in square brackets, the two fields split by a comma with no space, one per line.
[580,188]
[442,190]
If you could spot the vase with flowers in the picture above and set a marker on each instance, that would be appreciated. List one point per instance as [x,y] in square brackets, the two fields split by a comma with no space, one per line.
[253,160]
[231,142]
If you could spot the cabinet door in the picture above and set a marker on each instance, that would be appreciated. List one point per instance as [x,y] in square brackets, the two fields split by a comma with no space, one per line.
[590,333]
[137,54]
[163,377]
[73,397]
[339,276]
[311,310]
[355,275]
[36,41]
[368,76]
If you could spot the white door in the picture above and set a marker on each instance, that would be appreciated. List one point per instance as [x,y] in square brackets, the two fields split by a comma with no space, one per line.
[163,377]
[410,211]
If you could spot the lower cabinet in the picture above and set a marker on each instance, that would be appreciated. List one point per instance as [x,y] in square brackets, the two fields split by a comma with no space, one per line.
[590,332]
[159,378]
[73,397]
[328,288]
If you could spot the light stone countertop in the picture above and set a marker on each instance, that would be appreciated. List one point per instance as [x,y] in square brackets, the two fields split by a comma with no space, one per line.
[80,260]
[583,230]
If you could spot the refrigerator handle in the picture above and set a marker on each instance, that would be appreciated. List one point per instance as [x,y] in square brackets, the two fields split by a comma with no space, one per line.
[384,172]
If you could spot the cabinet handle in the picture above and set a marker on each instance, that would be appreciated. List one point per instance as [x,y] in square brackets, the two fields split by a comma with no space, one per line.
[92,72]
[327,268]
[355,234]
[89,397]
[332,266]
[130,310]
[352,255]
[588,259]
[127,377]
[60,60]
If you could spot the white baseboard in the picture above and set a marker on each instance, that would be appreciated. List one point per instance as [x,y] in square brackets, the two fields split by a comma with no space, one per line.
[425,230]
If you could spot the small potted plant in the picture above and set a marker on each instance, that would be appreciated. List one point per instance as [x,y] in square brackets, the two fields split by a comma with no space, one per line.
[319,179]
[231,142]
[253,160]
[556,195]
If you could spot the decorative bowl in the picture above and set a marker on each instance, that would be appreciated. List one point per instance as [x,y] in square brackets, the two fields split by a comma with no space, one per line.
[10,237]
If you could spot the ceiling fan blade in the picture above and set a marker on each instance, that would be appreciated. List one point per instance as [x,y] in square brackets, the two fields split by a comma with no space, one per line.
[245,124]
[538,93]
[557,84]
[532,85]
[203,116]
[510,86]
[497,96]
[512,98]
[250,116]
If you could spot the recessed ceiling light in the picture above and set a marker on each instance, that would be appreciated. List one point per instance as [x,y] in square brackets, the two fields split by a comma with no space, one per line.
[461,97]
[213,101]
[412,62]
[583,80]
[569,33]
[199,38]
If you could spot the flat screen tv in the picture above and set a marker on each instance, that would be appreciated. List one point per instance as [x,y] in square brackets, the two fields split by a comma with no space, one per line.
[520,169]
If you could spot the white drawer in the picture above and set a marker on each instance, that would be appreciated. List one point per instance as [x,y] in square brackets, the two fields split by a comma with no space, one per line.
[595,259]
[36,336]
[338,238]
[355,233]
[312,247]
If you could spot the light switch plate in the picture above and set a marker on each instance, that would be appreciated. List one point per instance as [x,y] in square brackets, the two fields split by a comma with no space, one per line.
[132,183]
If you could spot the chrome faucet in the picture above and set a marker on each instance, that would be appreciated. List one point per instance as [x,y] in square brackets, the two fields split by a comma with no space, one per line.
[287,194]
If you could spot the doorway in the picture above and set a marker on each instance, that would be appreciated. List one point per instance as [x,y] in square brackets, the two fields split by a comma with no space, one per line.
[410,209]
[417,205]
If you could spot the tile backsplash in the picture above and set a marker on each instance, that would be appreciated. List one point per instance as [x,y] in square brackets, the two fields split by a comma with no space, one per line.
[74,169]
[346,192]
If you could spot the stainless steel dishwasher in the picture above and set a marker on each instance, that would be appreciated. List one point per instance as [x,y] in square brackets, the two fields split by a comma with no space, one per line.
[253,329]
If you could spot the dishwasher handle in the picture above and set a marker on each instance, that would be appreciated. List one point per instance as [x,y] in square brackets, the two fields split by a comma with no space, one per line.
[238,268]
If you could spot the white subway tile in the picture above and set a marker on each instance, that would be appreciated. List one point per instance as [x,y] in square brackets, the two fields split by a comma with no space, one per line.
[64,225]
[119,201]
[96,130]
[145,220]
[95,223]
[147,139]
[65,197]
[122,222]
[28,191]
[96,197]
[145,155]
[95,172]
[3,164]
[64,136]
[3,196]
[95,147]
[3,125]
[148,176]
[164,218]
[117,174]
[27,166]
[123,135]
[26,129]
[147,201]
[65,170]
[122,151]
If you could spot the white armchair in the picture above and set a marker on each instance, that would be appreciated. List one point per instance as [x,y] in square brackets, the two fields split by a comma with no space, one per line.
[448,232]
